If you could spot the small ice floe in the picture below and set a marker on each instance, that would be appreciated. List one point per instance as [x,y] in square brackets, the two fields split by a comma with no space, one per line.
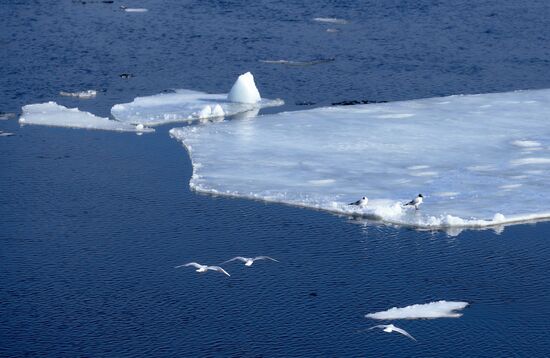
[528,161]
[526,143]
[510,186]
[439,309]
[186,105]
[389,328]
[6,116]
[203,268]
[331,30]
[126,76]
[53,114]
[133,9]
[331,20]
[81,94]
[299,63]
[248,261]
[6,134]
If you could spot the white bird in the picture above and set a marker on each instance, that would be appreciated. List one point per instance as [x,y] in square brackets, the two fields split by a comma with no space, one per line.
[416,201]
[248,261]
[361,202]
[391,328]
[204,268]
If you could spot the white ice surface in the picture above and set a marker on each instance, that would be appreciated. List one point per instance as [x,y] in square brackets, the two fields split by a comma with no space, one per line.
[437,309]
[331,20]
[244,90]
[460,152]
[81,94]
[182,105]
[53,114]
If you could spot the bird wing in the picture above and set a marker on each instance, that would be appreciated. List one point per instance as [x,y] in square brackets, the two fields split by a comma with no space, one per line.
[265,258]
[403,332]
[355,203]
[379,326]
[240,258]
[194,264]
[219,269]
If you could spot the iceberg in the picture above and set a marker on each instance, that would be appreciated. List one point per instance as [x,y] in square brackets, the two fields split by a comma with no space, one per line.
[187,105]
[471,156]
[53,114]
[439,309]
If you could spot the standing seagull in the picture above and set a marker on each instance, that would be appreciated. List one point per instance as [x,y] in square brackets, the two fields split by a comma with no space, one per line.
[361,202]
[248,261]
[204,268]
[391,328]
[416,201]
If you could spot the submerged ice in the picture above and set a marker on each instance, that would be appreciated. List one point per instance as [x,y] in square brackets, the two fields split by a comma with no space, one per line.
[478,160]
[53,114]
[185,105]
[439,309]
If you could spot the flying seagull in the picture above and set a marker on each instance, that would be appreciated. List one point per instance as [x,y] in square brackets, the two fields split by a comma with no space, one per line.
[204,268]
[391,328]
[416,201]
[248,261]
[361,202]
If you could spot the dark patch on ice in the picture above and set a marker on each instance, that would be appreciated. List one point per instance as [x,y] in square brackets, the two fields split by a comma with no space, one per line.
[355,102]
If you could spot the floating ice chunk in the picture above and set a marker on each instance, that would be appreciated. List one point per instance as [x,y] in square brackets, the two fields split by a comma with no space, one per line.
[205,112]
[218,111]
[528,161]
[331,20]
[526,143]
[5,134]
[53,114]
[299,63]
[439,309]
[6,116]
[510,186]
[182,105]
[282,157]
[82,94]
[133,9]
[244,90]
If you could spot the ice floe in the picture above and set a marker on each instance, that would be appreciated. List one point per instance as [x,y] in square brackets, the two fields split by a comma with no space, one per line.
[81,94]
[299,63]
[6,116]
[53,114]
[455,151]
[439,309]
[331,20]
[188,105]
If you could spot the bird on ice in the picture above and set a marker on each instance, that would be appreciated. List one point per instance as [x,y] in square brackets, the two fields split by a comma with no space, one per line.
[248,261]
[416,201]
[204,268]
[361,202]
[391,328]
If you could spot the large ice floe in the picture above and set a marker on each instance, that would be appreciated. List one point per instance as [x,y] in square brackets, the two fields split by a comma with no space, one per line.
[439,309]
[188,105]
[53,114]
[479,160]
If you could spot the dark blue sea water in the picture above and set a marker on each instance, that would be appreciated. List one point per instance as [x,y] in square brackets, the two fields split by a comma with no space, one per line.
[93,222]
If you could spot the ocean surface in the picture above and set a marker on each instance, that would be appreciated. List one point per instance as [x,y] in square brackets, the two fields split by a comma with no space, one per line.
[93,222]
